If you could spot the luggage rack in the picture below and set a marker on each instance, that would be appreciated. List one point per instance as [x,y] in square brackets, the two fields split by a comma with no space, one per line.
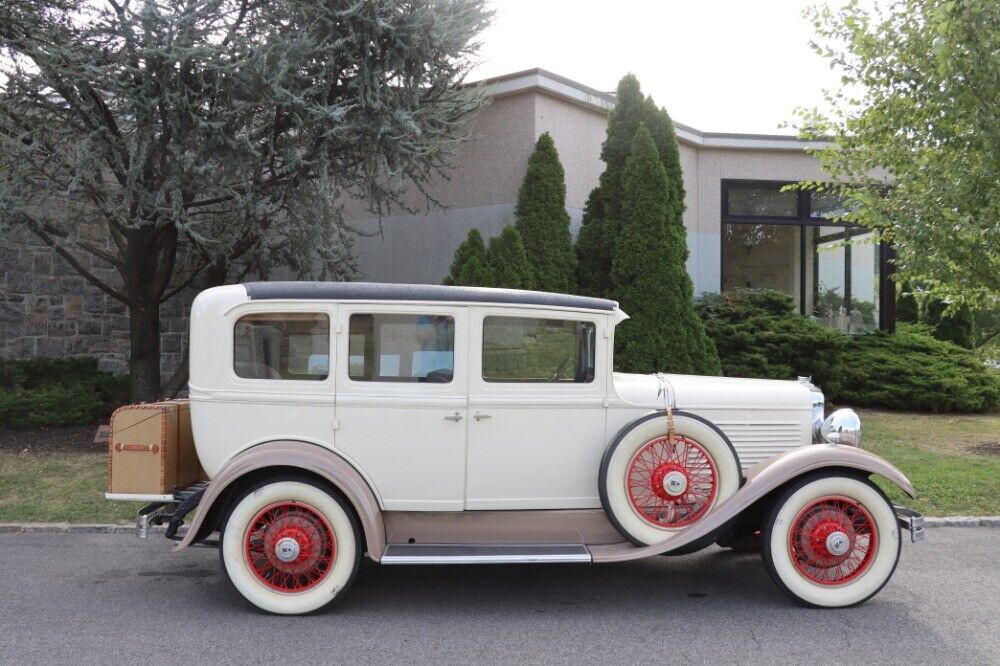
[171,510]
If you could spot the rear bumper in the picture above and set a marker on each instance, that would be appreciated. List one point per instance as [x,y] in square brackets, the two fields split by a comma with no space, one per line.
[911,521]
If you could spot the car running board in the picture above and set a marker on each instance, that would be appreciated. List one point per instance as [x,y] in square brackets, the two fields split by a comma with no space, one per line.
[419,553]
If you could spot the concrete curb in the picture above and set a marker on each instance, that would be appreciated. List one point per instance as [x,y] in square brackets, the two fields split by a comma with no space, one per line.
[104,528]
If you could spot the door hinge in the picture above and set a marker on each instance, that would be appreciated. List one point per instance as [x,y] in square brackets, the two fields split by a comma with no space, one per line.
[336,424]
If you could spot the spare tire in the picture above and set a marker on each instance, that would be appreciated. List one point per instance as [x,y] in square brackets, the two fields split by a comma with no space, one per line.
[652,488]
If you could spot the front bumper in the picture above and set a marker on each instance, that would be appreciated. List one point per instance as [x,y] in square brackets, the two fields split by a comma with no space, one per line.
[911,521]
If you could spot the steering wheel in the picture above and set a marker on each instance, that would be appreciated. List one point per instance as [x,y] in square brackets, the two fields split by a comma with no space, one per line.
[559,370]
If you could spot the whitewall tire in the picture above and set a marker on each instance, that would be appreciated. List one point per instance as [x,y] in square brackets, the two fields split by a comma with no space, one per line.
[832,541]
[652,488]
[289,546]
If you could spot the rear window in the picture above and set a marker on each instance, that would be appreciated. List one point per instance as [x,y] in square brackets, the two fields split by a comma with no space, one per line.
[282,346]
[522,349]
[401,348]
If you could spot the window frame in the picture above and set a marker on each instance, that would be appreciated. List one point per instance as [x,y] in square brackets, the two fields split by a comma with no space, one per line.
[884,263]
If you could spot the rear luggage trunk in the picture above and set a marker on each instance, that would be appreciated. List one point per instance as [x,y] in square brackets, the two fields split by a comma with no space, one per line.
[151,449]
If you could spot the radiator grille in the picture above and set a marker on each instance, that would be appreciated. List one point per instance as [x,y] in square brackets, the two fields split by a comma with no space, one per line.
[759,441]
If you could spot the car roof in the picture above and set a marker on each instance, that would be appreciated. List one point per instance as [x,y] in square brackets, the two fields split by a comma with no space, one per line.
[376,291]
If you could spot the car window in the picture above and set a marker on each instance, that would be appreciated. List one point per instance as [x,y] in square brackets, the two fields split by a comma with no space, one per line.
[282,346]
[523,349]
[401,348]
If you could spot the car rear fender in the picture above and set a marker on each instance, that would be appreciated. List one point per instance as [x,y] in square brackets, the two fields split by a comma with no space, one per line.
[310,458]
[761,480]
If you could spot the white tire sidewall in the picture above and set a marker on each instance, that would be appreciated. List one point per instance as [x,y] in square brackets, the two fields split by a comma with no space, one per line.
[246,582]
[726,466]
[880,568]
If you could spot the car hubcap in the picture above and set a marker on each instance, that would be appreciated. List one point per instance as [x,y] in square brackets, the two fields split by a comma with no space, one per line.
[671,484]
[290,547]
[833,540]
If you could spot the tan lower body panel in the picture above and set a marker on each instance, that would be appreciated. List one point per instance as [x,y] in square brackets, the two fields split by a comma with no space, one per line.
[566,526]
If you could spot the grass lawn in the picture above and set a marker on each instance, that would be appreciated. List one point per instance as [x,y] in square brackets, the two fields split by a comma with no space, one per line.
[58,487]
[953,460]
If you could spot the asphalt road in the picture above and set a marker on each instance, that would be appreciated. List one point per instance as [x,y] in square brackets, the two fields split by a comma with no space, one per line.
[110,599]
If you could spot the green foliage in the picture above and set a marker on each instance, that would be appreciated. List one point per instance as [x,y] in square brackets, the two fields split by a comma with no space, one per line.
[603,214]
[50,391]
[954,324]
[922,77]
[760,333]
[912,370]
[543,222]
[594,243]
[907,308]
[213,139]
[649,277]
[509,260]
[470,267]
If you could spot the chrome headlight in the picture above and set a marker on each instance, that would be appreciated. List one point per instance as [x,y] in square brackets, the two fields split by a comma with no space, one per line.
[842,427]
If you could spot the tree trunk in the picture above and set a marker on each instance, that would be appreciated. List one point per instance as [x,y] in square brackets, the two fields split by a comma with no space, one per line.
[144,362]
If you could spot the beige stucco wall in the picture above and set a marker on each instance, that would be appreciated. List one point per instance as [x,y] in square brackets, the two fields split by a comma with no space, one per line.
[578,133]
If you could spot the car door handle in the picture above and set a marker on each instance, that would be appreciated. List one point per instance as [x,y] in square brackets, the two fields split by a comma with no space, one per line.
[479,416]
[456,417]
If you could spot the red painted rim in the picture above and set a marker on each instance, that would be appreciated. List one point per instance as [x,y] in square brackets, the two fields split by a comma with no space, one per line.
[310,530]
[652,463]
[807,540]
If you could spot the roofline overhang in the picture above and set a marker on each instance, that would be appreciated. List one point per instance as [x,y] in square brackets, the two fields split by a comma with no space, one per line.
[549,83]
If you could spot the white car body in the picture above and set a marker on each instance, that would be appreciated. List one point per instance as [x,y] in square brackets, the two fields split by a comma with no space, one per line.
[467,444]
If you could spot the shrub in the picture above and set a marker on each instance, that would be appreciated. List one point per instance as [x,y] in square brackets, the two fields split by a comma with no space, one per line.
[650,279]
[58,391]
[470,267]
[509,260]
[956,325]
[759,333]
[543,222]
[912,370]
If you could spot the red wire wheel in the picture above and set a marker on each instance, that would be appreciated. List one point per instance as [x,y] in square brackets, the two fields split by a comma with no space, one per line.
[290,547]
[671,484]
[833,540]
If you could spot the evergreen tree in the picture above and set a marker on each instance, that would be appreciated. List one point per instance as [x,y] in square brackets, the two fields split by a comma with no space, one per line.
[509,260]
[593,249]
[543,222]
[649,277]
[470,267]
[955,324]
[595,245]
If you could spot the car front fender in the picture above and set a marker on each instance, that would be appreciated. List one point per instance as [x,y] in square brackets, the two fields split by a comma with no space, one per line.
[310,458]
[762,479]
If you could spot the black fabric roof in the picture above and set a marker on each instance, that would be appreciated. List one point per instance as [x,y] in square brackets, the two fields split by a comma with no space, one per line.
[376,291]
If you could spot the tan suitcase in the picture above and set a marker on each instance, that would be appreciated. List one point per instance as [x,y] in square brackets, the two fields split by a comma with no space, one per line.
[151,448]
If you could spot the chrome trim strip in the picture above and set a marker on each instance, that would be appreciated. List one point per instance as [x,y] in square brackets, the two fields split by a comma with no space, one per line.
[138,497]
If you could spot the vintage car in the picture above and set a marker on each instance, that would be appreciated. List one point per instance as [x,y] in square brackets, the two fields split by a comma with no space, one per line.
[418,424]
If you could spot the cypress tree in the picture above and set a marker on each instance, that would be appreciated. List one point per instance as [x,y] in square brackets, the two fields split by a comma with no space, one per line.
[543,222]
[509,260]
[470,267]
[649,278]
[594,246]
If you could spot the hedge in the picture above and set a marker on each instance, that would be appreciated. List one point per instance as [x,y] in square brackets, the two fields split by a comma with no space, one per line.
[52,392]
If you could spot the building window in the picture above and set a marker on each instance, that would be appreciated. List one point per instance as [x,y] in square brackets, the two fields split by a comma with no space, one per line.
[401,348]
[792,242]
[282,346]
[522,349]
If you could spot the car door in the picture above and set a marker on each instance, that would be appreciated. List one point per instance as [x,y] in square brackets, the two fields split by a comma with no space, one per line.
[537,414]
[402,402]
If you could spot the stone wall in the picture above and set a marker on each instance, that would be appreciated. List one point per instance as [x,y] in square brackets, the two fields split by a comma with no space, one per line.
[48,309]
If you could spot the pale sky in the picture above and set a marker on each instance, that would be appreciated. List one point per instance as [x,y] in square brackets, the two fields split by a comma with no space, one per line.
[716,65]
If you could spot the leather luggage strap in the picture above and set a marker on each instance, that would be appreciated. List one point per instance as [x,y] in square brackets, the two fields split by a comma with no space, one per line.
[145,448]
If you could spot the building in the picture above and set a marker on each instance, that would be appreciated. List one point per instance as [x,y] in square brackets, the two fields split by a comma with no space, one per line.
[743,231]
